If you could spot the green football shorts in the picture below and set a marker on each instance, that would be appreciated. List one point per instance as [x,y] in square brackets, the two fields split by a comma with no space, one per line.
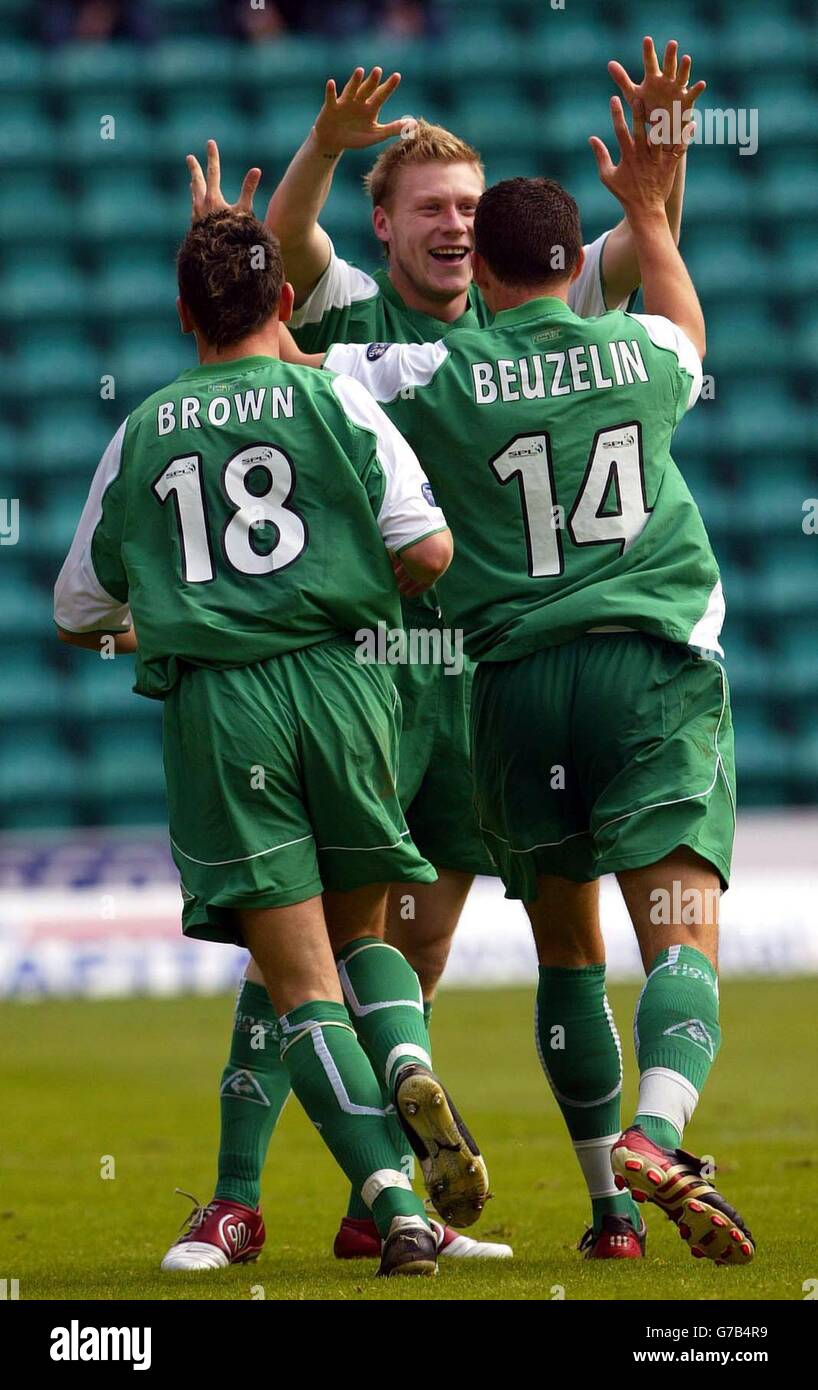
[435,781]
[602,754]
[281,781]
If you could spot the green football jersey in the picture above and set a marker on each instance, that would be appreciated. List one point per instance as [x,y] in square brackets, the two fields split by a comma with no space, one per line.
[244,511]
[546,438]
[347,305]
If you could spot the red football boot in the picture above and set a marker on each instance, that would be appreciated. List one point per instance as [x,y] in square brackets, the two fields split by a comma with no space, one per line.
[618,1240]
[222,1233]
[358,1239]
[674,1181]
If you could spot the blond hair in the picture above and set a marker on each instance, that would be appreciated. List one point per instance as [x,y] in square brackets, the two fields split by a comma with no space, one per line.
[423,143]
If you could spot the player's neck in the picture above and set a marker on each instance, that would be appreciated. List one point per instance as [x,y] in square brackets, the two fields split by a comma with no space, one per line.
[503,297]
[264,343]
[446,310]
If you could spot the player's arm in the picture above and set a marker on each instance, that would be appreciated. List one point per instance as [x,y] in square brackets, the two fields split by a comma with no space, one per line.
[640,182]
[668,98]
[345,122]
[92,641]
[91,592]
[412,526]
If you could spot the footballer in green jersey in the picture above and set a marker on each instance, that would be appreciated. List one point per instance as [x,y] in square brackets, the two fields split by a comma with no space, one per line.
[241,522]
[588,593]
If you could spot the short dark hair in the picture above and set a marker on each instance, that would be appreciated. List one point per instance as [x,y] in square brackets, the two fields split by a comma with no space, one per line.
[520,226]
[230,275]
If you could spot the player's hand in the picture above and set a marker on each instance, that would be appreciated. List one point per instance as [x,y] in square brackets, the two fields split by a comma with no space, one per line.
[407,586]
[644,176]
[206,192]
[666,89]
[350,121]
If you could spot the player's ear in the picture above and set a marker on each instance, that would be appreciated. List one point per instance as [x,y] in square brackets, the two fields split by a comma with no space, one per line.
[478,270]
[580,263]
[286,302]
[185,320]
[380,224]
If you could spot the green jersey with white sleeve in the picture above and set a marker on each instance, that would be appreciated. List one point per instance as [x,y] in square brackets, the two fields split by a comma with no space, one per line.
[242,512]
[546,438]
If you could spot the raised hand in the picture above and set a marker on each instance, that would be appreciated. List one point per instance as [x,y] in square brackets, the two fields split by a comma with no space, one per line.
[206,193]
[664,89]
[350,121]
[644,176]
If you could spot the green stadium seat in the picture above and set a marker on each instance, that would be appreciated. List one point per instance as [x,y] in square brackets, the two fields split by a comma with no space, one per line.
[101,691]
[36,766]
[191,118]
[482,51]
[41,282]
[125,202]
[131,282]
[578,112]
[277,130]
[771,40]
[27,190]
[24,606]
[790,187]
[292,64]
[798,251]
[733,265]
[63,357]
[27,140]
[57,521]
[22,65]
[29,691]
[143,358]
[760,416]
[71,438]
[80,136]
[562,46]
[192,61]
[90,67]
[763,752]
[787,107]
[735,328]
[720,184]
[134,763]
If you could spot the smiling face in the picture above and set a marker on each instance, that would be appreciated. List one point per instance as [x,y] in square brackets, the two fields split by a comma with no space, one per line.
[428,226]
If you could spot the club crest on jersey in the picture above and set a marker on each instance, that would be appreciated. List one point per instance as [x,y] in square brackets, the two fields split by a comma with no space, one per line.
[375,350]
[426,489]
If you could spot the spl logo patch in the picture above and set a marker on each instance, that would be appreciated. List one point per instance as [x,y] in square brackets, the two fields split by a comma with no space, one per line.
[426,489]
[695,1031]
[376,350]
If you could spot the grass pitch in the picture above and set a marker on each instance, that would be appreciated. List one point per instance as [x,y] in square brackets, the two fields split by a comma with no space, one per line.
[137,1081]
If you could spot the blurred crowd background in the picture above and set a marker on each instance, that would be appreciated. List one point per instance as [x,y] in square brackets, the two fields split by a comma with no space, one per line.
[89,226]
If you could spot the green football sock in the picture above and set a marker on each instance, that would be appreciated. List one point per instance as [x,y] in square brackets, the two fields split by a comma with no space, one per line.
[579,1050]
[677,1035]
[356,1208]
[375,974]
[383,996]
[334,1081]
[254,1088]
